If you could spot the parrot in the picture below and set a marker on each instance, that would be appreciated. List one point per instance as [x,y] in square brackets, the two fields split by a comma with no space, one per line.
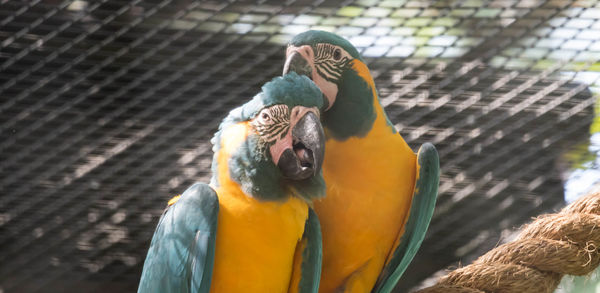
[380,194]
[251,229]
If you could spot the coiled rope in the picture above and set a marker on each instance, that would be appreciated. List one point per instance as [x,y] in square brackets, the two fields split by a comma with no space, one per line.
[553,245]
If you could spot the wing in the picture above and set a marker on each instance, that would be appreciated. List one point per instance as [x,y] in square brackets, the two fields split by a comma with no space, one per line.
[182,252]
[421,210]
[306,273]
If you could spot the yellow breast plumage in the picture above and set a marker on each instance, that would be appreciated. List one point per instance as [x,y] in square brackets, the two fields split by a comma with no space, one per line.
[370,183]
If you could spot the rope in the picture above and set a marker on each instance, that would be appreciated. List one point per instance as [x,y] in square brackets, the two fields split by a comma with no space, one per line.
[553,245]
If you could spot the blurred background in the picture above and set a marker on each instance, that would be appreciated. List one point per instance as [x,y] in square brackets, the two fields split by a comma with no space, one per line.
[107,108]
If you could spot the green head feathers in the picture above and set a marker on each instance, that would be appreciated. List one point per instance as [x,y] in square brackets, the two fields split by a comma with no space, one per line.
[314,37]
[290,90]
[251,165]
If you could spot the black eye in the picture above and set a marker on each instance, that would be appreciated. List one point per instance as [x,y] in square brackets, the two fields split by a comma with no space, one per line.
[337,54]
[265,116]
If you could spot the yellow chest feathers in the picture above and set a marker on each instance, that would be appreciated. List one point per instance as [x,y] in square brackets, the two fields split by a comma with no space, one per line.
[370,182]
[256,239]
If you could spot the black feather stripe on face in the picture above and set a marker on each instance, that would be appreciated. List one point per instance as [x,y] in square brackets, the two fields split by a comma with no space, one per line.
[275,127]
[326,65]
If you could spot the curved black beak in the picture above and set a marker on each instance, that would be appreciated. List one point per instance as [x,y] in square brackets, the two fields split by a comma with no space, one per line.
[305,157]
[296,63]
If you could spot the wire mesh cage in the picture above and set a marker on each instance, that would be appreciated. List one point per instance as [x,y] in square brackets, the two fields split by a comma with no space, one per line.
[107,108]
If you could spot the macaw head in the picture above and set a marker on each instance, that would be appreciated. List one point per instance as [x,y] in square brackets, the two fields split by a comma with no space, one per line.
[339,71]
[282,141]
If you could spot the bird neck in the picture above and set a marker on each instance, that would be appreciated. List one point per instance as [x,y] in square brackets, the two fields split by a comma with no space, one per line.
[240,167]
[357,109]
[226,141]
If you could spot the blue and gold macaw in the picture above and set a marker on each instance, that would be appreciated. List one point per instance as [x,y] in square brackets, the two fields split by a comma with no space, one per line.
[380,194]
[251,229]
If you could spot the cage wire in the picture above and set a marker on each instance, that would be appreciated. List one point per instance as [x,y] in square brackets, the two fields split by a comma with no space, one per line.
[107,108]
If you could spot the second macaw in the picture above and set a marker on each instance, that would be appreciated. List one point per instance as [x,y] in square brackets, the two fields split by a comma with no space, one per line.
[380,194]
[252,229]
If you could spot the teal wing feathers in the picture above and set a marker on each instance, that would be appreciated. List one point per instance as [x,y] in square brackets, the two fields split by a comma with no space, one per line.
[421,210]
[311,255]
[181,255]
